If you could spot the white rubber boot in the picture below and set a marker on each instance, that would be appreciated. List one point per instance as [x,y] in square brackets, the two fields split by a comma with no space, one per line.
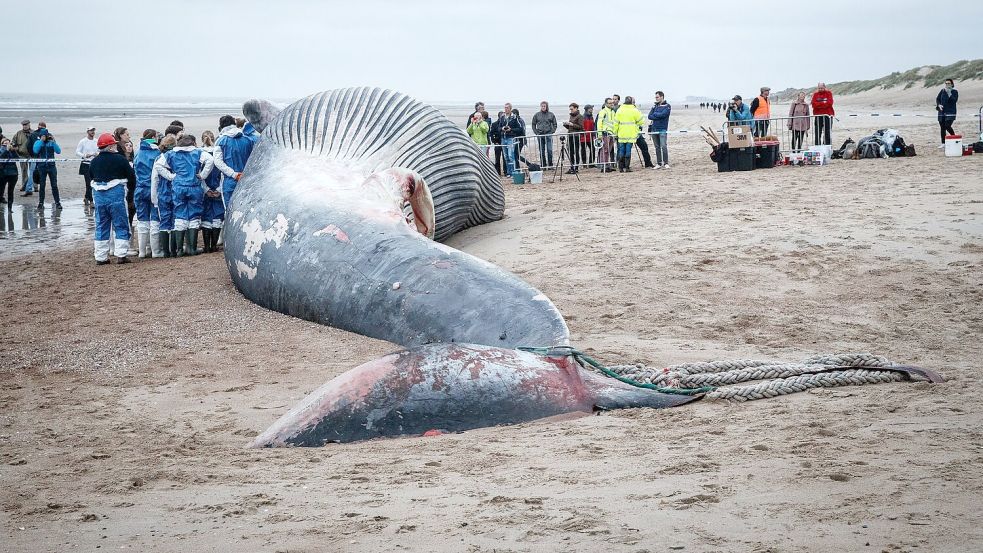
[155,249]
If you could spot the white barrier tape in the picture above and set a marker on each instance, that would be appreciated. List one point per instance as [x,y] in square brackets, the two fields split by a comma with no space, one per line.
[34,160]
[934,116]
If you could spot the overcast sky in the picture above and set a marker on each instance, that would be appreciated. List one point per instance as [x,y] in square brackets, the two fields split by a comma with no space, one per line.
[460,50]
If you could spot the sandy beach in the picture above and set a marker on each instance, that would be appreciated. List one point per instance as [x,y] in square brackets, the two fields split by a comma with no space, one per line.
[122,430]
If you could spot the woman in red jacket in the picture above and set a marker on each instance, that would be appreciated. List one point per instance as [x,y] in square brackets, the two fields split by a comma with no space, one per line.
[587,139]
[822,109]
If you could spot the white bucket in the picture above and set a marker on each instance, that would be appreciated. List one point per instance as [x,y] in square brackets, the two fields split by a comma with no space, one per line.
[535,177]
[954,146]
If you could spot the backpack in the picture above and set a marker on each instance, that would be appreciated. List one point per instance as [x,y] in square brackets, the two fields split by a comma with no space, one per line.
[839,154]
[909,150]
[849,151]
[898,148]
[978,148]
[869,148]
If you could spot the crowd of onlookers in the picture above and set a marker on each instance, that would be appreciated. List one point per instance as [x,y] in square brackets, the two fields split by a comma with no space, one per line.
[601,139]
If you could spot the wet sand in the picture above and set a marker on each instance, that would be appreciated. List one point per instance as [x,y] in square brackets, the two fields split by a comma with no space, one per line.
[129,392]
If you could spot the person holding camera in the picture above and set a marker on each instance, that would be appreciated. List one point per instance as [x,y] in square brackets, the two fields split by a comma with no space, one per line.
[738,112]
[495,138]
[8,172]
[543,126]
[23,144]
[513,128]
[478,131]
[46,148]
[574,125]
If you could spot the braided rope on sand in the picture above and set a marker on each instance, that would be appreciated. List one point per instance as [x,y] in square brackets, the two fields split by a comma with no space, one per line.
[823,371]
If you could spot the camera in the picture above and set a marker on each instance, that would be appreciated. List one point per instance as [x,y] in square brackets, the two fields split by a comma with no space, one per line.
[732,105]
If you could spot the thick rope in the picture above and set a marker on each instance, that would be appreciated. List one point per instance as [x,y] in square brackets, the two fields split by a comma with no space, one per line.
[773,379]
[823,371]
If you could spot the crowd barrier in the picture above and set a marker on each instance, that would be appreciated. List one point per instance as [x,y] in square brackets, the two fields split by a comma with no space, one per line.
[779,128]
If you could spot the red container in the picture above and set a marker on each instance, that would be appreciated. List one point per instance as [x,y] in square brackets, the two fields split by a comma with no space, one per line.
[968,150]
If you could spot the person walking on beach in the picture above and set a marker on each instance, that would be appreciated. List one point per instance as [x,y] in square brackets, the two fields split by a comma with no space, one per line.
[574,126]
[23,145]
[148,221]
[587,139]
[86,150]
[543,126]
[111,173]
[798,121]
[232,150]
[822,112]
[945,104]
[659,116]
[605,124]
[8,172]
[212,210]
[761,111]
[46,148]
[628,123]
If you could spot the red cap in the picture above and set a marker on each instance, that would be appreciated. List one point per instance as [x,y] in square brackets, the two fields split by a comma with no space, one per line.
[105,139]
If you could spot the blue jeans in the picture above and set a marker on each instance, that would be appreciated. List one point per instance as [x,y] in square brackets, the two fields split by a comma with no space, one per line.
[508,145]
[110,211]
[29,182]
[624,150]
[546,150]
[49,170]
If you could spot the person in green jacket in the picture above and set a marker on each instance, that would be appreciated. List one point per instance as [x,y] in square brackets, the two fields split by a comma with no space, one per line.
[628,122]
[478,130]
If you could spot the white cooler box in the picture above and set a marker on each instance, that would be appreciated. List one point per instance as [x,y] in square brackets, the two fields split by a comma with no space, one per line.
[954,145]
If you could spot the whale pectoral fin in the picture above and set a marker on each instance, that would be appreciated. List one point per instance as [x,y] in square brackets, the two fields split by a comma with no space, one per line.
[407,190]
[260,113]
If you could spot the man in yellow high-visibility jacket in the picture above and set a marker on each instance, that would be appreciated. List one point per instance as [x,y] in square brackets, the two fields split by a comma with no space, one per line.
[628,122]
[605,125]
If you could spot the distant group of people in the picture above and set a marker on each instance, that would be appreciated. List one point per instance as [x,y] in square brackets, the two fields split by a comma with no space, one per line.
[758,115]
[166,189]
[611,133]
[716,107]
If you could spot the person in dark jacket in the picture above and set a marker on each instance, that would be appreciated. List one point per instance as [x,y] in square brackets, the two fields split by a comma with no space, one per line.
[8,171]
[46,148]
[495,137]
[945,104]
[659,128]
[543,126]
[513,129]
[111,176]
[575,129]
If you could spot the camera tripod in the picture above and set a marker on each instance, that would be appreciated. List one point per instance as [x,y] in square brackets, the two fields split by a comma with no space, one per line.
[563,157]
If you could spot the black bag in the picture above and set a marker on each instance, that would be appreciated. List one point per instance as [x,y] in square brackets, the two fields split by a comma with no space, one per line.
[898,148]
[909,150]
[978,148]
[838,154]
[869,148]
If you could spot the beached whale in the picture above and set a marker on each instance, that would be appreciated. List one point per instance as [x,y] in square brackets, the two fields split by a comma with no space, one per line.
[448,388]
[338,219]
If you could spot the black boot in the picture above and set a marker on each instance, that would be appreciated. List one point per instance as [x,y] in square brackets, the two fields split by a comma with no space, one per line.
[177,243]
[164,238]
[206,240]
[192,241]
[627,165]
[621,165]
